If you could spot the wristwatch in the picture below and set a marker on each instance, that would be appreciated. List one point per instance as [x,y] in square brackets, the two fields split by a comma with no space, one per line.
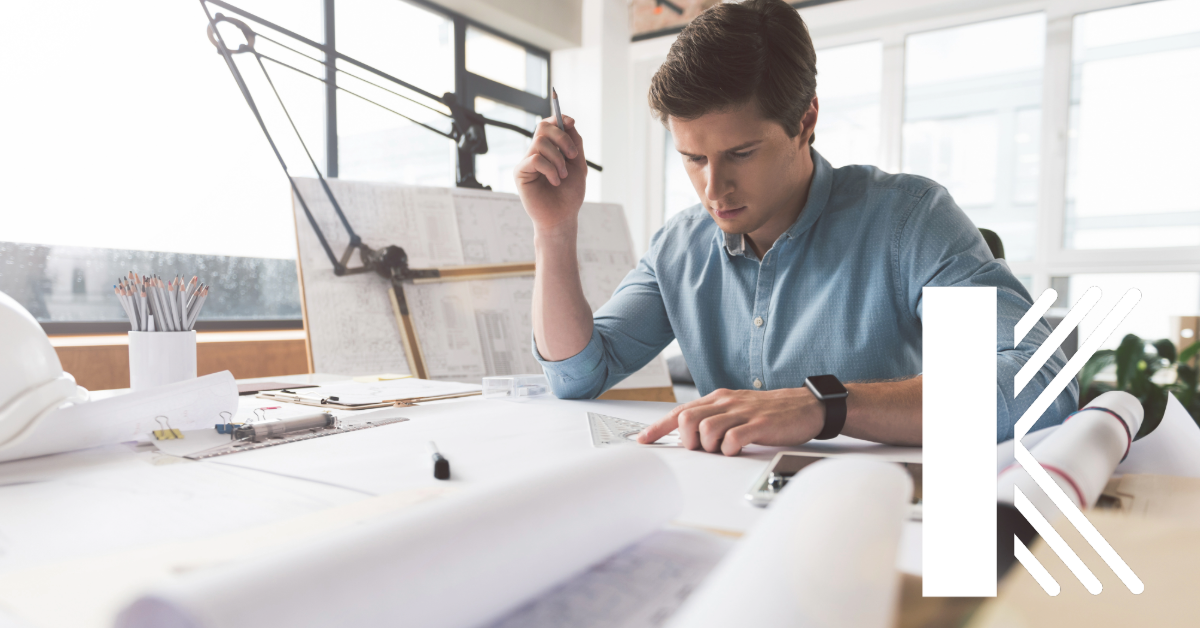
[833,394]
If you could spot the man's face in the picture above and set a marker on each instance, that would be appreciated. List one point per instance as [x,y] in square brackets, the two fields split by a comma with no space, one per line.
[746,170]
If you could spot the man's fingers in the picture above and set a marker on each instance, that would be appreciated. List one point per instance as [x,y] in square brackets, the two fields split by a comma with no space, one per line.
[561,139]
[713,429]
[660,428]
[535,165]
[737,438]
[689,423]
[543,146]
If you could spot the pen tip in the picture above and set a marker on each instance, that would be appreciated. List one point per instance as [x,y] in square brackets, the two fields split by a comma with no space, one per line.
[553,94]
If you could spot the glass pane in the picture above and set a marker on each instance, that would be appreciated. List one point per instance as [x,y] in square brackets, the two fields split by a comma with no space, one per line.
[1133,128]
[505,147]
[848,85]
[505,62]
[1163,295]
[375,144]
[410,43]
[972,115]
[678,193]
[303,17]
[129,150]
[74,284]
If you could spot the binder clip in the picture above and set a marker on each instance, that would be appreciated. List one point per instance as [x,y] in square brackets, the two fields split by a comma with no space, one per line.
[227,426]
[169,433]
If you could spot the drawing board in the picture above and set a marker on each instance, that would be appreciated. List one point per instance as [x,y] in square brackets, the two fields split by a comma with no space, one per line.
[465,330]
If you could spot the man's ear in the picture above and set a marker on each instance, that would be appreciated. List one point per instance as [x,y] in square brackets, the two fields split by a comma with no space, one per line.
[808,124]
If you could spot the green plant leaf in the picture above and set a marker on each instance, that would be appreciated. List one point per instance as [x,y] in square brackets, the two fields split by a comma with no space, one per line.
[1190,352]
[1131,351]
[1154,405]
[1100,360]
[1166,349]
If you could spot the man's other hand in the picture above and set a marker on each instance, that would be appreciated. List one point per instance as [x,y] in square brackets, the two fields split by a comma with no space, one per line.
[728,420]
[551,178]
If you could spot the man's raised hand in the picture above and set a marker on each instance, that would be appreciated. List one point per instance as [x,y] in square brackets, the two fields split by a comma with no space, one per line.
[551,178]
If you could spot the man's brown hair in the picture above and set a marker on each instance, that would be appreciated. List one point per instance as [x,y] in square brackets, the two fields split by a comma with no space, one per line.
[733,54]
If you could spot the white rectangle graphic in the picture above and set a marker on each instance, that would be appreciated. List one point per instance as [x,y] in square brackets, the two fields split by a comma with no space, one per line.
[959,442]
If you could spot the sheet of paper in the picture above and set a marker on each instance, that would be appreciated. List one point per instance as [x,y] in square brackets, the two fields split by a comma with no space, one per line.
[487,544]
[153,499]
[183,405]
[824,555]
[351,325]
[636,588]
[494,227]
[1173,448]
[100,585]
[444,317]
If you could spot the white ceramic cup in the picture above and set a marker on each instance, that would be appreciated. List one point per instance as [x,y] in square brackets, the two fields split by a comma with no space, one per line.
[161,357]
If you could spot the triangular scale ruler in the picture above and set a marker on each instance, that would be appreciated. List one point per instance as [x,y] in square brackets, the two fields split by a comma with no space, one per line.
[610,430]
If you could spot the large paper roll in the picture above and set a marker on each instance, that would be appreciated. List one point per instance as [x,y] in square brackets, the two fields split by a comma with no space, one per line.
[823,556]
[461,561]
[1081,455]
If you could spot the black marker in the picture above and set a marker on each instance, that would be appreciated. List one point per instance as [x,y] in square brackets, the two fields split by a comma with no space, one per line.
[441,466]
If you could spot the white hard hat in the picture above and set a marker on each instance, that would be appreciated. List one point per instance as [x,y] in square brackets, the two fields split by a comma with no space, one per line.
[32,381]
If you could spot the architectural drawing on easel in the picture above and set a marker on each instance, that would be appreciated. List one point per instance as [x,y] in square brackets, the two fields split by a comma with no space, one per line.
[464,330]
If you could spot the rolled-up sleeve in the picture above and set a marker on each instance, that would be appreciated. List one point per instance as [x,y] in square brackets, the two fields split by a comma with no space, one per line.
[628,331]
[938,245]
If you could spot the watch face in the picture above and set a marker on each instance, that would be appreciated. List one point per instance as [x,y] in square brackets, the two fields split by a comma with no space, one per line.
[826,386]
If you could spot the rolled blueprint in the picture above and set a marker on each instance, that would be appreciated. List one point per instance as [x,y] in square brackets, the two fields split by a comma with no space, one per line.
[461,561]
[1081,455]
[823,556]
[1004,451]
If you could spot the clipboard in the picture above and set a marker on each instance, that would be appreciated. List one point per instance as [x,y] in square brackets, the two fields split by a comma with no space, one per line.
[333,402]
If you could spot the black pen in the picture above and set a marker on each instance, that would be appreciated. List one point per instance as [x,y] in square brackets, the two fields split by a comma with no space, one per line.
[441,466]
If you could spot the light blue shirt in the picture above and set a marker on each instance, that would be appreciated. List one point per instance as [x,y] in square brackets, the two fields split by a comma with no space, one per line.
[839,293]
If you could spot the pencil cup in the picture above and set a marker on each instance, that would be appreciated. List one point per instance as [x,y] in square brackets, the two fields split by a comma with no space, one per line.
[161,357]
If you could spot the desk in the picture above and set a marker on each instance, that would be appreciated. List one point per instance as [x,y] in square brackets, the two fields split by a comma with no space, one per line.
[121,497]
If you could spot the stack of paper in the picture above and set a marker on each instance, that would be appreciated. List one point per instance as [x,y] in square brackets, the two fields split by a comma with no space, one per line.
[185,405]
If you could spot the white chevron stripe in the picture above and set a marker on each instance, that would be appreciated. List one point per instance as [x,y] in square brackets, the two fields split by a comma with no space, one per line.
[1043,479]
[1081,523]
[1056,338]
[1075,364]
[1035,568]
[1056,543]
[1034,315]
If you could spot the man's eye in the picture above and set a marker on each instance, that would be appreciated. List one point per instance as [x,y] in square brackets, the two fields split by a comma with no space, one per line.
[695,158]
[742,155]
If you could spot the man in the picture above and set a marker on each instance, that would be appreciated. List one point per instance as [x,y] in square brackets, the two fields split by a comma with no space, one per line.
[788,268]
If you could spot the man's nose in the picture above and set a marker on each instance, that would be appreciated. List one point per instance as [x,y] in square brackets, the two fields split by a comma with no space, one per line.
[719,184]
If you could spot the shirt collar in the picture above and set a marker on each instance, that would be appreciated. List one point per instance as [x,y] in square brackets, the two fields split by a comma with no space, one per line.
[818,196]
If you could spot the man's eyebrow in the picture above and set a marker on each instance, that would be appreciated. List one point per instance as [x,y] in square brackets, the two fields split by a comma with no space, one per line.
[742,146]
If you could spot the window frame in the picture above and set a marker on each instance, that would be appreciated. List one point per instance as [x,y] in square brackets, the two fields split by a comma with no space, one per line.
[467,86]
[1051,257]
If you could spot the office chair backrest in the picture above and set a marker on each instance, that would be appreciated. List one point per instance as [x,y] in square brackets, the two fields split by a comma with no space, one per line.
[993,242]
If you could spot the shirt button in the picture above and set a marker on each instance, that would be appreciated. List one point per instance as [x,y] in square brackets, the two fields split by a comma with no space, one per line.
[757,383]
[758,321]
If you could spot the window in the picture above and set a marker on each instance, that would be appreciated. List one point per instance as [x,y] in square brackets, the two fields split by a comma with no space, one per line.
[1163,295]
[153,162]
[414,45]
[972,111]
[678,193]
[1133,128]
[849,79]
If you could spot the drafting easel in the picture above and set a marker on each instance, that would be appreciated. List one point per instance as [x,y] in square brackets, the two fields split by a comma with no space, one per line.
[408,333]
[491,234]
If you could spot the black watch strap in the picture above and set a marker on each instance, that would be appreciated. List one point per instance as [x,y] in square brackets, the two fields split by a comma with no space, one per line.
[835,418]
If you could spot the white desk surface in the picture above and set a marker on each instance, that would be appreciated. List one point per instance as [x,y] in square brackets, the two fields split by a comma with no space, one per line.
[93,502]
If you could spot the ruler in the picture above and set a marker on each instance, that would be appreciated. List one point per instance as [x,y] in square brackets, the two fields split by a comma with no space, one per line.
[234,447]
[610,430]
